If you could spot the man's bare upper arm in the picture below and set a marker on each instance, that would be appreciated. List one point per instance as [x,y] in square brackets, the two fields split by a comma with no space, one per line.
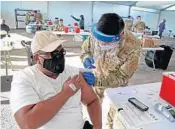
[88,95]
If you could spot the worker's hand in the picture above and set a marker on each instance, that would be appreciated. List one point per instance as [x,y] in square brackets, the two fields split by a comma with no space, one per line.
[88,77]
[88,63]
[72,85]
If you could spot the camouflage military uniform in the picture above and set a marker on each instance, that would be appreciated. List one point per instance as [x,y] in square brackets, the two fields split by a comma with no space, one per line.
[128,24]
[114,67]
[59,28]
[39,16]
[139,27]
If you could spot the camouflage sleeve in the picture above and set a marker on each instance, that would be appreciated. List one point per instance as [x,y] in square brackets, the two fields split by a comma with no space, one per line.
[131,64]
[87,49]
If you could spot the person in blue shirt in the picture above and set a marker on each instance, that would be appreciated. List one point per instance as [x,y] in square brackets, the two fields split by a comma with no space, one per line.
[81,24]
[81,21]
[162,27]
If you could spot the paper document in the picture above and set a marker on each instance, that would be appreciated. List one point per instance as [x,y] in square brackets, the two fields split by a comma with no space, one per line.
[134,118]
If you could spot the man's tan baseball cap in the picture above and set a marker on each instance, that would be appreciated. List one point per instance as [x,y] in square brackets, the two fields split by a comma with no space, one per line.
[45,41]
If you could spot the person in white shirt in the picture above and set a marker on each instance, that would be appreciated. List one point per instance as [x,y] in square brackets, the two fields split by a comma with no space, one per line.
[48,95]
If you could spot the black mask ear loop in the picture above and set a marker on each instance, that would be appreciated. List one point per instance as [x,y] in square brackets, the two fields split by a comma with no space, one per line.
[39,60]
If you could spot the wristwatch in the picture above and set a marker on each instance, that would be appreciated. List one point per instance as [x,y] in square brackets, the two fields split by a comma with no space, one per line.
[73,87]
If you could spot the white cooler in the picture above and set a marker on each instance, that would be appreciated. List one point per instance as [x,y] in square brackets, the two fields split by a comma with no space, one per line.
[31,28]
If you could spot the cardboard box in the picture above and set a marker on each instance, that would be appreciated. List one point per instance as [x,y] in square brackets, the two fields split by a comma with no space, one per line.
[148,43]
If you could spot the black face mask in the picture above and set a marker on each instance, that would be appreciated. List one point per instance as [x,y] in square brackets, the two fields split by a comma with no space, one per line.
[57,63]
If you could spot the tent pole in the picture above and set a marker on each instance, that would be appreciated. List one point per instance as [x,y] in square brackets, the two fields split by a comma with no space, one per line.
[92,13]
[159,19]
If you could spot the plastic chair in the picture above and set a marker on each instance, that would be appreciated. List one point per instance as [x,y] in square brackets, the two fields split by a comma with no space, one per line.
[27,45]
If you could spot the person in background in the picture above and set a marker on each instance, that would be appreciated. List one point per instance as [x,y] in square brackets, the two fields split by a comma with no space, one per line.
[112,53]
[39,16]
[56,22]
[139,26]
[4,26]
[60,26]
[129,23]
[34,13]
[48,95]
[81,21]
[162,27]
[38,23]
[27,18]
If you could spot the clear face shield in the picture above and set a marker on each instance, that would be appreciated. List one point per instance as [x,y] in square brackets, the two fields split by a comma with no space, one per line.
[109,45]
[106,42]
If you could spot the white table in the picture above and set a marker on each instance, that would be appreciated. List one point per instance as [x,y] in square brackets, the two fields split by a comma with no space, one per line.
[16,39]
[6,53]
[72,34]
[153,49]
[152,36]
[146,93]
[3,32]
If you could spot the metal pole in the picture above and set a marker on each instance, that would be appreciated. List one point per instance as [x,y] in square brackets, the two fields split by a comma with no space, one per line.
[6,66]
[129,12]
[158,18]
[47,9]
[92,13]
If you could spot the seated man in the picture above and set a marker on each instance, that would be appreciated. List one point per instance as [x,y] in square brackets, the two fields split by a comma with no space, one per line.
[47,96]
[60,26]
[4,26]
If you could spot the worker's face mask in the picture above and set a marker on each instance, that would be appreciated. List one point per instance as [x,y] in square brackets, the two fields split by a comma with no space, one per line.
[108,46]
[57,63]
[61,23]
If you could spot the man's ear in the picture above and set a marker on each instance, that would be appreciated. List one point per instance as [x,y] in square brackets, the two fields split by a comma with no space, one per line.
[36,58]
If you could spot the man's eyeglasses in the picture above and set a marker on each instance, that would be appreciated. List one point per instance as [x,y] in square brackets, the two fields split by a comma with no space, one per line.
[56,53]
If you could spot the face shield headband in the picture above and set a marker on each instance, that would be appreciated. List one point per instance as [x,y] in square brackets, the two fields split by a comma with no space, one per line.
[103,37]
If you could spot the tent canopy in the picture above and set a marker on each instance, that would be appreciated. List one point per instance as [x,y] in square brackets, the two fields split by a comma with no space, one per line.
[157,5]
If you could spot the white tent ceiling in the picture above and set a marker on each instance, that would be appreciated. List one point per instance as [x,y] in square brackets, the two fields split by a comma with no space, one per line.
[158,5]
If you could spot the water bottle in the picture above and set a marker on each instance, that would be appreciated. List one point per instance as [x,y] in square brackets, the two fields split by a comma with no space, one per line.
[7,42]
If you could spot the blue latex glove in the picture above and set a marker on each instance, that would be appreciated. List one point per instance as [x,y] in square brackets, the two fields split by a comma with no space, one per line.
[89,77]
[88,63]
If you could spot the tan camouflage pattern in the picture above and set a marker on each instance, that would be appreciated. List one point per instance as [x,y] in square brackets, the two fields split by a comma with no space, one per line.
[128,24]
[114,67]
[59,28]
[39,16]
[139,27]
[27,18]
